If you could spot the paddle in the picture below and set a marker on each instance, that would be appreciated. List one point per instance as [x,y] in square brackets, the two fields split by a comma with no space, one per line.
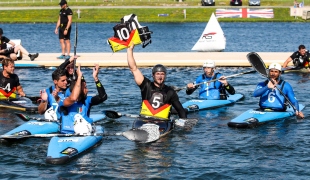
[186,123]
[75,45]
[177,89]
[13,107]
[258,64]
[144,135]
[24,117]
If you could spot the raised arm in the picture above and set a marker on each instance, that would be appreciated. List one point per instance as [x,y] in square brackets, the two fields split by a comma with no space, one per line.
[133,67]
[102,95]
[76,89]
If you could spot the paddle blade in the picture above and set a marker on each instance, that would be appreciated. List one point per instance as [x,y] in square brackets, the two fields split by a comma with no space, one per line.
[144,134]
[112,114]
[186,123]
[257,63]
[23,116]
[136,135]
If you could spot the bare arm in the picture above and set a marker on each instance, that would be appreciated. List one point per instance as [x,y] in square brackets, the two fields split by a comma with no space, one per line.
[57,25]
[69,22]
[133,67]
[289,59]
[43,104]
[20,91]
[76,89]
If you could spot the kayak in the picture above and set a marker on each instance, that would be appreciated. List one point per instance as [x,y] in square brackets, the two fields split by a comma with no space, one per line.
[252,118]
[41,127]
[21,104]
[296,70]
[63,149]
[200,104]
[165,126]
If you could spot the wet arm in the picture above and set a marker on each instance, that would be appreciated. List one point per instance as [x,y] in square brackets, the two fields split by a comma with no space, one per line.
[260,90]
[289,59]
[133,66]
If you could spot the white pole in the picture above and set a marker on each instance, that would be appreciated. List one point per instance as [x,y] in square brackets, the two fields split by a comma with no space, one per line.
[184,12]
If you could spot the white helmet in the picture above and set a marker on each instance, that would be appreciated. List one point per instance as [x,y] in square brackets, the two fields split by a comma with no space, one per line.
[275,66]
[209,63]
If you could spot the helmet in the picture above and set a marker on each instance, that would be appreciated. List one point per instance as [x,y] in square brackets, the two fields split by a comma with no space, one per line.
[209,63]
[159,68]
[275,66]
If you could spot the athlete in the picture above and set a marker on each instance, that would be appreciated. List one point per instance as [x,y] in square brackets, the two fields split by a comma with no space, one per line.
[64,25]
[76,107]
[68,66]
[157,97]
[211,90]
[11,52]
[300,58]
[270,97]
[9,82]
[51,95]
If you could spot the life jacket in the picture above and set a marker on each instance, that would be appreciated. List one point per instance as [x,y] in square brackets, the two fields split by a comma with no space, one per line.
[129,30]
[68,114]
[272,99]
[52,102]
[155,106]
[209,90]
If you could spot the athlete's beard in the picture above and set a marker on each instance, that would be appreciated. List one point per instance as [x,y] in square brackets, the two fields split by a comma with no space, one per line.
[159,82]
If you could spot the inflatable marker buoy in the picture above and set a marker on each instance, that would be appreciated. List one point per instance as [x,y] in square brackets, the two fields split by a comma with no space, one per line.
[129,30]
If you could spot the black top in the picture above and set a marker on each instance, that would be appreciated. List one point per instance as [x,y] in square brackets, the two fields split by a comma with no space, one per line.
[8,85]
[3,41]
[64,13]
[299,60]
[163,95]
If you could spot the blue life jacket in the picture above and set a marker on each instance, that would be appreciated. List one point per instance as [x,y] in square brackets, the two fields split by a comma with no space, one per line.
[272,99]
[67,115]
[209,90]
[51,102]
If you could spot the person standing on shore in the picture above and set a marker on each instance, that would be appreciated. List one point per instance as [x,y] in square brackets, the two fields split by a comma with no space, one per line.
[63,28]
[300,58]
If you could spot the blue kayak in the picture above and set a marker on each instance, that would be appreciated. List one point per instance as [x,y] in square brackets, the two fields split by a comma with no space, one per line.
[200,104]
[42,127]
[63,149]
[252,118]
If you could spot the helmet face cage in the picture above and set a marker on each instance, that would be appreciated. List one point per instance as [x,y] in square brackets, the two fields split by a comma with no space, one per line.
[159,68]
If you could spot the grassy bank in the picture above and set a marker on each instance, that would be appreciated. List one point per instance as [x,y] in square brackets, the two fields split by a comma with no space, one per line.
[144,15]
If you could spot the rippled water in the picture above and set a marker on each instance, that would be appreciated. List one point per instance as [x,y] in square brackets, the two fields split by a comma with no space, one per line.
[212,150]
[166,37]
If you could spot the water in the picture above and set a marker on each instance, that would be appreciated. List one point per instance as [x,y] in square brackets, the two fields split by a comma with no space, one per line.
[212,150]
[166,37]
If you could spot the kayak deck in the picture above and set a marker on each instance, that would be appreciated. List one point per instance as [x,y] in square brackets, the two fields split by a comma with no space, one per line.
[202,104]
[254,117]
[165,126]
[63,149]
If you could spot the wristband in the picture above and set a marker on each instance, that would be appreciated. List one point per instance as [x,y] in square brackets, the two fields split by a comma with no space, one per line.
[66,29]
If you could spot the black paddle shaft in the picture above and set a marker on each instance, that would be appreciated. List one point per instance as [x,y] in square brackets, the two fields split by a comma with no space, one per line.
[258,64]
[75,45]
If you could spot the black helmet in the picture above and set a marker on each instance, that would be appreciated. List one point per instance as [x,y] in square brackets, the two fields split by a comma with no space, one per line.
[159,68]
[1,31]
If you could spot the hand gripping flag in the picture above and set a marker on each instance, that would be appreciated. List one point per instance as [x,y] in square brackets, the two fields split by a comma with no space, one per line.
[129,30]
